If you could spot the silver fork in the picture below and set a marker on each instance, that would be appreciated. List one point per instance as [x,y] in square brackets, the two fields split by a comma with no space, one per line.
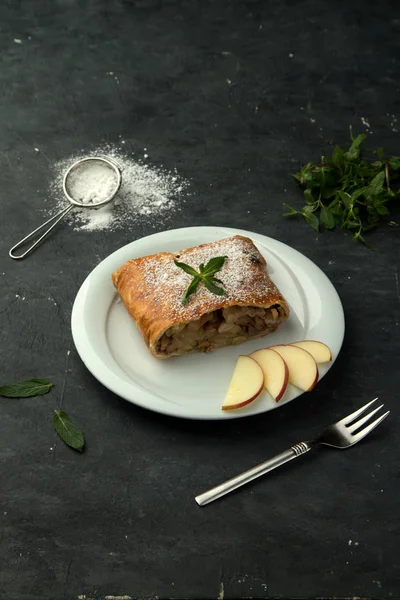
[342,434]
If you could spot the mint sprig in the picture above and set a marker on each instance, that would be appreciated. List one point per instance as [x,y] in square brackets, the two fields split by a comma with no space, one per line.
[205,275]
[346,190]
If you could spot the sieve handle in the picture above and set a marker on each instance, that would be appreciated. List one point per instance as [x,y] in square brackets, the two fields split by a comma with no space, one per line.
[56,218]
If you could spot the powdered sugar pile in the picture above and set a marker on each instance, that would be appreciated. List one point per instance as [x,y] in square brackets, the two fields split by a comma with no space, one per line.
[146,193]
[92,182]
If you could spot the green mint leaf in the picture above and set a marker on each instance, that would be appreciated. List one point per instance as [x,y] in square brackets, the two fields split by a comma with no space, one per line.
[308,197]
[290,211]
[214,265]
[201,268]
[380,207]
[68,432]
[346,199]
[26,389]
[356,194]
[376,185]
[209,283]
[394,163]
[327,219]
[354,151]
[186,268]
[191,289]
[310,218]
[338,157]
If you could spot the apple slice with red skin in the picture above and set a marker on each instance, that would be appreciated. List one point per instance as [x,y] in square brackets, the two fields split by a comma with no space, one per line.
[320,352]
[303,371]
[246,384]
[276,372]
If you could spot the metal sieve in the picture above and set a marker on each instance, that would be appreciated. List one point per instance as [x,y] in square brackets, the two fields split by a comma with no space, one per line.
[73,202]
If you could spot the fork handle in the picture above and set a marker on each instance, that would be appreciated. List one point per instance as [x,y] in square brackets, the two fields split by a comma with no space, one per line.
[247,476]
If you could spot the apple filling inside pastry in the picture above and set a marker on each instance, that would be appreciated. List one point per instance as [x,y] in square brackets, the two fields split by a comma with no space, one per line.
[219,328]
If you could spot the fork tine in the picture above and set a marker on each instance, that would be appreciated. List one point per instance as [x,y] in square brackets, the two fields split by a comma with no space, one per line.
[357,413]
[359,436]
[354,426]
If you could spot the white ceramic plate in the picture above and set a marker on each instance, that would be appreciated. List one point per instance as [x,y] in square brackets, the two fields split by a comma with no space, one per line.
[194,386]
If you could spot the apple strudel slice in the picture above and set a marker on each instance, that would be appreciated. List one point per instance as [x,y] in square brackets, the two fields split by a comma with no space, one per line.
[249,306]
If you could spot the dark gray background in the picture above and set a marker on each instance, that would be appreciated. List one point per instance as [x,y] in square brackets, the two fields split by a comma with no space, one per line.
[121,519]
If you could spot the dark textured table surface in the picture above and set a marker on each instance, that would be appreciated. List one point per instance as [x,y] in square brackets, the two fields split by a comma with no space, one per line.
[236,96]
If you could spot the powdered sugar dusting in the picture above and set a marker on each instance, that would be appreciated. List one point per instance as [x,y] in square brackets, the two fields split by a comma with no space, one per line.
[243,275]
[92,182]
[146,193]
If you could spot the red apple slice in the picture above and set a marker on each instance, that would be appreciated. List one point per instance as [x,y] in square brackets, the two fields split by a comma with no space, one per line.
[246,384]
[303,371]
[320,352]
[276,372]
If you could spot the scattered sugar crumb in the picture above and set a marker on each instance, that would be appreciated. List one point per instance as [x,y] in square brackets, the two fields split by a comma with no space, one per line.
[68,352]
[365,122]
[17,296]
[393,122]
[350,542]
[17,41]
[291,55]
[312,120]
[36,149]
